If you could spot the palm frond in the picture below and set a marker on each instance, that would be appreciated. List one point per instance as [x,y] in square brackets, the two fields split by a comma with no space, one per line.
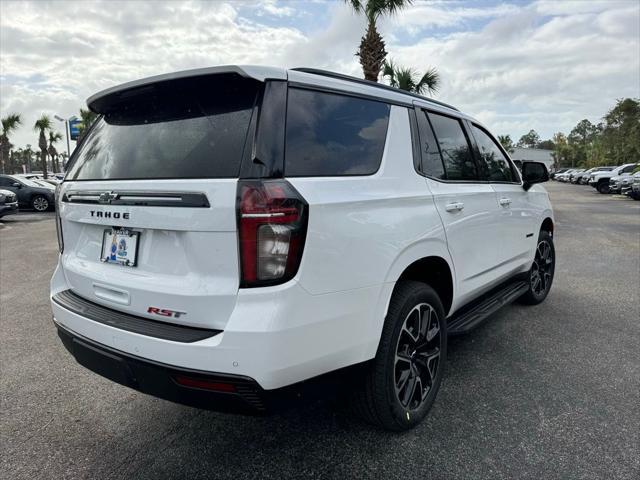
[42,124]
[356,5]
[11,122]
[376,8]
[54,137]
[406,79]
[389,70]
[430,82]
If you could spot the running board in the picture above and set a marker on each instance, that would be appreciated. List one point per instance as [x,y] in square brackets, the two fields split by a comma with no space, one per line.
[469,318]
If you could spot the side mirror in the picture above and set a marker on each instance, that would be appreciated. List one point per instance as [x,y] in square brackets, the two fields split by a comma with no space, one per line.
[533,172]
[16,184]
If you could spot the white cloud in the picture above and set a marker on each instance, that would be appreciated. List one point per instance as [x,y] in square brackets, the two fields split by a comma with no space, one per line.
[524,70]
[544,65]
[424,14]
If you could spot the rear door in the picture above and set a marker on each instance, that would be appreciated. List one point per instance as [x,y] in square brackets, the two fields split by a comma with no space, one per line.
[516,216]
[466,204]
[148,207]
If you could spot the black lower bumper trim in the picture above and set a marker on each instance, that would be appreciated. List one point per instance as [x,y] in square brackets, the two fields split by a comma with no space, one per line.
[131,323]
[159,380]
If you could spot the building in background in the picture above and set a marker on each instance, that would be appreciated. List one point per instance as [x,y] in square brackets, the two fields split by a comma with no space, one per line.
[532,155]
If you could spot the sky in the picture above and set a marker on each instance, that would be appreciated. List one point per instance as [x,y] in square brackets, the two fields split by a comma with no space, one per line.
[513,65]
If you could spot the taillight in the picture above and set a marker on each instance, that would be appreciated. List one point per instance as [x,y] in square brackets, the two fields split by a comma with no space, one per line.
[57,202]
[272,226]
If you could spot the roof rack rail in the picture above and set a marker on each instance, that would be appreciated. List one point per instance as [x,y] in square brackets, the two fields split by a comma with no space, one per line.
[349,78]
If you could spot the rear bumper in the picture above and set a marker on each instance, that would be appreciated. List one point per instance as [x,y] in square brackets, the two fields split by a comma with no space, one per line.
[211,391]
[277,336]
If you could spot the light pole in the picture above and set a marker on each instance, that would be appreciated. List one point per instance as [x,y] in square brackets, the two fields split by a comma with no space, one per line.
[66,130]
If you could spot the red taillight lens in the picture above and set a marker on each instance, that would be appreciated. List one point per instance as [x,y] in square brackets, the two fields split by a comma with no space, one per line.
[272,226]
[204,384]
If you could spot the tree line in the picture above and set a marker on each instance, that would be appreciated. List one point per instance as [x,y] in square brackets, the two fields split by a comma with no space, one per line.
[613,141]
[47,159]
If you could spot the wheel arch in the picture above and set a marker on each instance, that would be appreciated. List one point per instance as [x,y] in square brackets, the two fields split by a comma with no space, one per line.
[547,225]
[435,272]
[435,269]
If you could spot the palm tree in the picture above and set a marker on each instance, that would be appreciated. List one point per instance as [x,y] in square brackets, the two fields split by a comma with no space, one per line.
[53,153]
[371,50]
[506,142]
[9,124]
[88,117]
[28,153]
[43,125]
[407,79]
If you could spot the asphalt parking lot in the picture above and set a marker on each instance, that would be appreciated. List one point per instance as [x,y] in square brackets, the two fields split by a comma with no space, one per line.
[551,391]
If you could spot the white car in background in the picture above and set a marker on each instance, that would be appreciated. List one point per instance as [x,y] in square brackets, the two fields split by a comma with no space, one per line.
[600,180]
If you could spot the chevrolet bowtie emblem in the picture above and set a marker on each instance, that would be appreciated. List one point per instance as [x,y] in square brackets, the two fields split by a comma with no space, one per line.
[107,197]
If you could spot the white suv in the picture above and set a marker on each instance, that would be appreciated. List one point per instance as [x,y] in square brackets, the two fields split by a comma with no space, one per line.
[231,237]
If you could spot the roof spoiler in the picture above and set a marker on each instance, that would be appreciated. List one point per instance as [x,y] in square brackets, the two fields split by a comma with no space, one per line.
[99,101]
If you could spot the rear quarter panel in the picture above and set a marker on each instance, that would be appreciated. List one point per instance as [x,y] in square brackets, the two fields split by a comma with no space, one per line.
[364,231]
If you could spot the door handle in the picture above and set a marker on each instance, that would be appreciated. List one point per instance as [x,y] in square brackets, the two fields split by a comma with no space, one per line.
[454,207]
[505,201]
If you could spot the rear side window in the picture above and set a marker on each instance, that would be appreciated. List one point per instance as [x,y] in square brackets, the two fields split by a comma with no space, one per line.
[193,128]
[329,134]
[495,165]
[456,154]
[431,160]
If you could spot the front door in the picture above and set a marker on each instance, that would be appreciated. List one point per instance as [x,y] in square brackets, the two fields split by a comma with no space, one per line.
[516,219]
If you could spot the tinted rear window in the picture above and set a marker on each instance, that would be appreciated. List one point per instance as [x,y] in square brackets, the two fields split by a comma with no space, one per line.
[329,134]
[193,128]
[458,161]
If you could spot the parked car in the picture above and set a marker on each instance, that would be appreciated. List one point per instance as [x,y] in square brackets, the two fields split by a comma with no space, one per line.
[8,203]
[600,180]
[310,226]
[564,176]
[635,187]
[615,183]
[583,178]
[626,184]
[557,172]
[573,176]
[29,193]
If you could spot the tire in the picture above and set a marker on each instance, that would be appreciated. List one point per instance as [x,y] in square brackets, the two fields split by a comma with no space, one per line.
[540,285]
[40,203]
[415,312]
[603,187]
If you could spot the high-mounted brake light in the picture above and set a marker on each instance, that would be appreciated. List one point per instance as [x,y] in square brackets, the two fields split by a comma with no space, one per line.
[272,226]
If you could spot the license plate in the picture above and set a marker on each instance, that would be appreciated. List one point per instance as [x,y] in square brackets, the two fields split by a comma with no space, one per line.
[120,246]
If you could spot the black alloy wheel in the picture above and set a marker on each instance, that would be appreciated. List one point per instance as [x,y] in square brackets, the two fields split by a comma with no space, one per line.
[398,387]
[542,270]
[417,356]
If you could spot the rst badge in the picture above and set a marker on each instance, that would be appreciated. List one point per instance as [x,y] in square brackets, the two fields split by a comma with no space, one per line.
[165,312]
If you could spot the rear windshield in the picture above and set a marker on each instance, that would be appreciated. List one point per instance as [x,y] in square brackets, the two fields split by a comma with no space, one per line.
[194,128]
